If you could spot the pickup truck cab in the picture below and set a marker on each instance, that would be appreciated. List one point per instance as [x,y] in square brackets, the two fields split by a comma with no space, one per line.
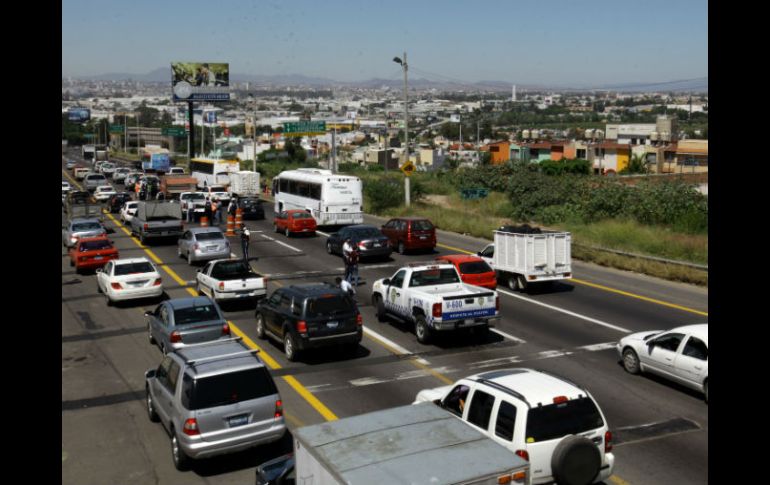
[230,279]
[433,297]
[218,193]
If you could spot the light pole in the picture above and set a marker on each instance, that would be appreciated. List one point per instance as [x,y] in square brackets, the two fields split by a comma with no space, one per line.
[406,123]
[254,130]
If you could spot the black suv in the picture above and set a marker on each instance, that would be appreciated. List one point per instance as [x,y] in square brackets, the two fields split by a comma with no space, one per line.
[252,207]
[309,316]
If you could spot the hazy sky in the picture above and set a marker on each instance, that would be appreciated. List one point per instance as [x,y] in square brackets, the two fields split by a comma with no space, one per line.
[555,42]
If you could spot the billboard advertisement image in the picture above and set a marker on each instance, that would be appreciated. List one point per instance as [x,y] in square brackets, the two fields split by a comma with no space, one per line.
[79,115]
[209,116]
[200,81]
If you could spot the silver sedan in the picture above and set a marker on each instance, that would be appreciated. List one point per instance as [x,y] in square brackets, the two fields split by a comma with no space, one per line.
[184,321]
[203,244]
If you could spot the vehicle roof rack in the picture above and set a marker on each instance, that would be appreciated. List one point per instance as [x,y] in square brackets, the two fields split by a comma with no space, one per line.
[215,358]
[502,388]
[211,342]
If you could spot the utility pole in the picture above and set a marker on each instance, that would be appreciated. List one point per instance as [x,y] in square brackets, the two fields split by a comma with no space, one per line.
[191,135]
[406,124]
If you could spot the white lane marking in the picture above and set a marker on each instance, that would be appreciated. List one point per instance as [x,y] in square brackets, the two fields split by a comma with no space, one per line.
[514,359]
[317,387]
[596,347]
[282,243]
[376,266]
[401,350]
[550,354]
[567,312]
[505,335]
[322,233]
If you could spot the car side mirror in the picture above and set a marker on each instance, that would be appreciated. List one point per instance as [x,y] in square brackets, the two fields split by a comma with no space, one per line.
[199,270]
[150,374]
[148,313]
[99,270]
[478,253]
[386,282]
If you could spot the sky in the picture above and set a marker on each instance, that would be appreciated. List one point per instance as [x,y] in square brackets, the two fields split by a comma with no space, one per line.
[555,42]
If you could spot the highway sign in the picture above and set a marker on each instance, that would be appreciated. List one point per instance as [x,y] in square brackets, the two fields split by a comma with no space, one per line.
[408,168]
[303,128]
[116,128]
[89,135]
[175,131]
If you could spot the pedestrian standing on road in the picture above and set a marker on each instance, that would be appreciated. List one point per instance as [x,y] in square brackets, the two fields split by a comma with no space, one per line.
[161,196]
[190,211]
[245,240]
[207,209]
[232,207]
[221,211]
[214,211]
[353,263]
[347,246]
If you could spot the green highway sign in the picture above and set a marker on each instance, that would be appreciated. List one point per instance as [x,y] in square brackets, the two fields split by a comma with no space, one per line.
[89,135]
[175,131]
[302,128]
[116,128]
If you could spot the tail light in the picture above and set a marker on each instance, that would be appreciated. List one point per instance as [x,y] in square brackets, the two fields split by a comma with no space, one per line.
[523,454]
[196,246]
[146,227]
[437,310]
[608,441]
[560,399]
[225,329]
[278,409]
[157,282]
[359,320]
[116,286]
[362,245]
[302,326]
[221,286]
[191,427]
[497,303]
[175,337]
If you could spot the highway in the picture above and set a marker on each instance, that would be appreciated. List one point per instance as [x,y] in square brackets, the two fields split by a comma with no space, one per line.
[660,429]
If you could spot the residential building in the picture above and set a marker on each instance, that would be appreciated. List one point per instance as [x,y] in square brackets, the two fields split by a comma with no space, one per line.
[609,157]
[499,151]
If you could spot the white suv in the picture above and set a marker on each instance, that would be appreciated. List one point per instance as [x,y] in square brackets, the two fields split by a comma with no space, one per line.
[545,419]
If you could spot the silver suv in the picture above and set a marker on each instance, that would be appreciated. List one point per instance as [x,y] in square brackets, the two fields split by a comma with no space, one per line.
[549,421]
[214,398]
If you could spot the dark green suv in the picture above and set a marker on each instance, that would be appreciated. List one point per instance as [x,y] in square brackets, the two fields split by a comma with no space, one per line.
[309,316]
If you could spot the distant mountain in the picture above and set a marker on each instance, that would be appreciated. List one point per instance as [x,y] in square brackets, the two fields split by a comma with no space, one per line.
[163,74]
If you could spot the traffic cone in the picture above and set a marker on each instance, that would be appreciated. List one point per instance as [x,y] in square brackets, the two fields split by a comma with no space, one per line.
[239,217]
[230,226]
[204,221]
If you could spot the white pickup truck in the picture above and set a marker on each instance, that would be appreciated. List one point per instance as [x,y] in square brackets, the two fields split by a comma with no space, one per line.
[230,279]
[435,299]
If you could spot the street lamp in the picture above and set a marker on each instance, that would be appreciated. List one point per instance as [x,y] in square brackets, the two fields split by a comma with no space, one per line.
[254,130]
[403,63]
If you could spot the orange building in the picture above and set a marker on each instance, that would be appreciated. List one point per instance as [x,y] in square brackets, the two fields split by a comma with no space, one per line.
[500,152]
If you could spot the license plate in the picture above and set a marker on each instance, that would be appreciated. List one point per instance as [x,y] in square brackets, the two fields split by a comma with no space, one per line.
[469,321]
[377,245]
[98,257]
[423,237]
[238,420]
[332,324]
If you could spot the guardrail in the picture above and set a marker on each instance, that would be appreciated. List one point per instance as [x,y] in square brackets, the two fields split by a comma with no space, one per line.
[642,256]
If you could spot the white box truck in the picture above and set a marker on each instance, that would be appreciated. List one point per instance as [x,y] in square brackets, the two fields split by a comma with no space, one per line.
[523,255]
[244,183]
[417,444]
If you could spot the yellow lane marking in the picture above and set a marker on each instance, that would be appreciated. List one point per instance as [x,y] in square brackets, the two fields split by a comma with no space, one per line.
[272,363]
[619,481]
[640,297]
[605,288]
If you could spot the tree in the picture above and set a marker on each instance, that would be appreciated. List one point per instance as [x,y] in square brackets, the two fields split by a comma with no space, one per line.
[635,165]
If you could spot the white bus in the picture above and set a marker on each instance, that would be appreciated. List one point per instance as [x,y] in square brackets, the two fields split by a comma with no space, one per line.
[213,172]
[331,199]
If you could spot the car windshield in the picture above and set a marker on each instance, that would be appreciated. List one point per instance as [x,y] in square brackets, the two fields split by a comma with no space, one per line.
[134,268]
[226,389]
[421,226]
[329,305]
[475,267]
[86,226]
[96,177]
[557,420]
[249,201]
[95,245]
[430,277]
[195,196]
[216,188]
[234,269]
[195,314]
[302,215]
[364,232]
[209,236]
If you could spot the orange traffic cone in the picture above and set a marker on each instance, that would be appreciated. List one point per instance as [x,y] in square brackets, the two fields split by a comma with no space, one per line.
[230,226]
[204,221]
[239,217]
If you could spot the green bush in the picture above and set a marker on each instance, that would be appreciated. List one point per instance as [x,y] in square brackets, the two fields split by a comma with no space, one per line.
[383,194]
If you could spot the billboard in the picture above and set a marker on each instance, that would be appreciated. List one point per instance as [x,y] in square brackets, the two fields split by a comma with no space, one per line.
[79,115]
[209,116]
[200,81]
[158,161]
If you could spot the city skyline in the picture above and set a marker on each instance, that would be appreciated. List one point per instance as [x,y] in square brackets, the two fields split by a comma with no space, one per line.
[555,43]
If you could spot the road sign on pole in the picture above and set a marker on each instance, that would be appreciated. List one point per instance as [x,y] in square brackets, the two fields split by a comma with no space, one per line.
[408,168]
[304,128]
[173,131]
[116,129]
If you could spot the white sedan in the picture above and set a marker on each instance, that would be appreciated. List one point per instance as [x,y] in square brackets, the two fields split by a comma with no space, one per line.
[128,211]
[65,189]
[680,354]
[104,192]
[128,279]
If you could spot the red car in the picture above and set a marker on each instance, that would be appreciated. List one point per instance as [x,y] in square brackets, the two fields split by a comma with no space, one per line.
[473,270]
[405,233]
[92,253]
[295,221]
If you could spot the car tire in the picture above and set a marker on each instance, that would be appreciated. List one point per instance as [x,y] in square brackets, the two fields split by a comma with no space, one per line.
[706,391]
[149,335]
[575,461]
[151,413]
[142,238]
[289,347]
[401,247]
[189,258]
[275,228]
[98,288]
[421,329]
[287,232]
[329,248]
[107,299]
[181,460]
[72,263]
[631,361]
[179,252]
[198,289]
[379,307]
[260,326]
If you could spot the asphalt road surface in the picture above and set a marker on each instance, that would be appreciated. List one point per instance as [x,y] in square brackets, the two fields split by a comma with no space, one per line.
[660,428]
